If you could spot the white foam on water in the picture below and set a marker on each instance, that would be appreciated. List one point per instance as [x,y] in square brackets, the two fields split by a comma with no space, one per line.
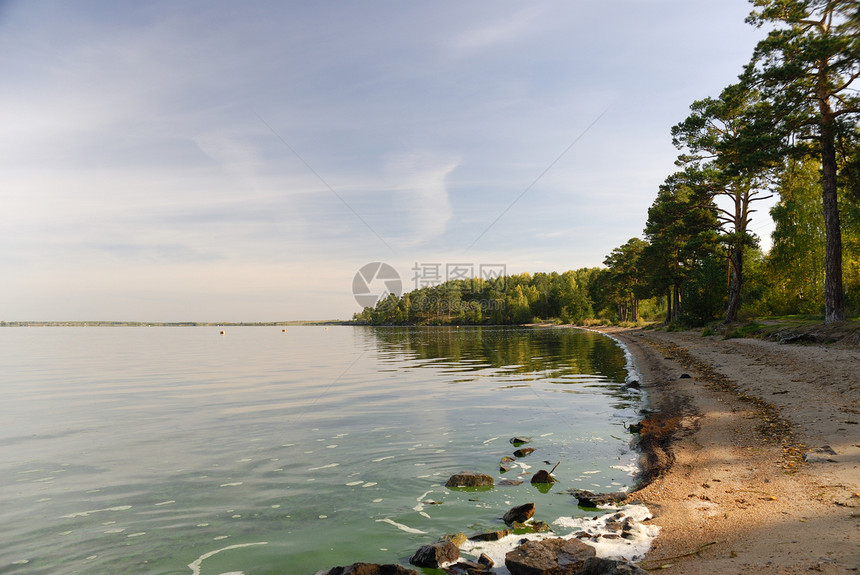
[634,542]
[136,534]
[165,503]
[632,547]
[490,440]
[630,469]
[382,459]
[369,484]
[234,484]
[90,512]
[196,564]
[329,466]
[402,527]
[354,483]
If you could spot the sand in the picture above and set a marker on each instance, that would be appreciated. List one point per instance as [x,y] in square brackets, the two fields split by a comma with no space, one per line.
[725,448]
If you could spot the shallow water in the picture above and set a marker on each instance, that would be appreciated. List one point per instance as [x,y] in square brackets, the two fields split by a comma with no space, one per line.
[263,451]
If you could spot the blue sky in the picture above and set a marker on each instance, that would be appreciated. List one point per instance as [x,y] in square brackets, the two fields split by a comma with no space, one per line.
[216,161]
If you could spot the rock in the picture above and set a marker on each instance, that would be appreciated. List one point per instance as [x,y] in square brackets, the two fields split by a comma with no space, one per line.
[533,527]
[491,536]
[685,376]
[548,557]
[524,451]
[598,566]
[470,479]
[586,498]
[369,569]
[519,514]
[435,555]
[820,455]
[456,538]
[518,440]
[467,568]
[506,464]
[485,560]
[633,384]
[543,476]
[510,482]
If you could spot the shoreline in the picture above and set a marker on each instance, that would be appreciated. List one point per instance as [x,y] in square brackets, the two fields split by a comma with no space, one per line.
[723,453]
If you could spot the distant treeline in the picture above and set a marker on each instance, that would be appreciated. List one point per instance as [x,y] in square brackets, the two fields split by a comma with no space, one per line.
[570,297]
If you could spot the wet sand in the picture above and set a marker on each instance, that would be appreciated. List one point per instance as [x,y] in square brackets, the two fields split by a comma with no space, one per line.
[725,454]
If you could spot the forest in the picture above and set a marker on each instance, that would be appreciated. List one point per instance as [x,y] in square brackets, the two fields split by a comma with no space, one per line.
[787,129]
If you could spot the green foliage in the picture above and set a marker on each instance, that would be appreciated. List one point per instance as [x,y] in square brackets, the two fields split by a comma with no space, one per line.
[515,299]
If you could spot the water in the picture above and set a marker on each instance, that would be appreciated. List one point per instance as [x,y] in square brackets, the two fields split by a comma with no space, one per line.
[264,451]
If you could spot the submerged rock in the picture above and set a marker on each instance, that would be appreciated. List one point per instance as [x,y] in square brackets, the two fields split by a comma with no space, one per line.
[586,498]
[510,482]
[435,555]
[519,514]
[549,557]
[524,451]
[518,440]
[470,479]
[369,569]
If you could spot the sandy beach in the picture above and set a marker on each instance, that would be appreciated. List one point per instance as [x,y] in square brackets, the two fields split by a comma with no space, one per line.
[734,480]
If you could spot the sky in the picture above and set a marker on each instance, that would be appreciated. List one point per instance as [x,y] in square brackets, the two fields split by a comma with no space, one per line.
[227,161]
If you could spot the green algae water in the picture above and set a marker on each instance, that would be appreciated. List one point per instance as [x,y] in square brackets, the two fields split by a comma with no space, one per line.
[286,451]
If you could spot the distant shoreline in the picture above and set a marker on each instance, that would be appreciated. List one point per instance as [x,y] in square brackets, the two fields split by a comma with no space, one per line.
[168,323]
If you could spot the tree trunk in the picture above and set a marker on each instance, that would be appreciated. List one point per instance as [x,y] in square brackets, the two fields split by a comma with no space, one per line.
[676,303]
[834,297]
[737,260]
[635,309]
[668,306]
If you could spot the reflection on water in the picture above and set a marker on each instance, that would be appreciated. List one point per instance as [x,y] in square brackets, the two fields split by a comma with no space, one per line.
[177,450]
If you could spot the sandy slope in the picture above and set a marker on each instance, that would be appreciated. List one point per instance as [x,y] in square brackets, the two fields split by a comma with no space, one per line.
[727,446]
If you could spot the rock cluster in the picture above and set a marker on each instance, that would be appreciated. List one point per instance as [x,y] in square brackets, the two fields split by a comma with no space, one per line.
[551,556]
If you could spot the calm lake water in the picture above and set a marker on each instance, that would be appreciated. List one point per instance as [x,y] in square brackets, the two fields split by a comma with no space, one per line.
[262,451]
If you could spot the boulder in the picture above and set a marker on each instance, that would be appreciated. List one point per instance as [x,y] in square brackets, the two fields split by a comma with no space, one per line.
[506,464]
[543,476]
[522,452]
[519,514]
[518,440]
[549,557]
[455,538]
[435,555]
[485,560]
[470,479]
[598,566]
[369,569]
[491,536]
[586,498]
[467,568]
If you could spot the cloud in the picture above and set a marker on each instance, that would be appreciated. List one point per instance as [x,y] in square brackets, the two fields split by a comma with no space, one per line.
[503,30]
[420,192]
